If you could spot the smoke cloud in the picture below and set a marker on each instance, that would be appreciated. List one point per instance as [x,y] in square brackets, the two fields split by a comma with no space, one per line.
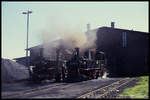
[66,40]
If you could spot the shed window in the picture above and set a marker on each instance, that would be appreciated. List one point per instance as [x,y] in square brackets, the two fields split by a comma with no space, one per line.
[124,39]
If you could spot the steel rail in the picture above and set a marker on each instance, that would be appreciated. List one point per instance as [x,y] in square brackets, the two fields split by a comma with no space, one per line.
[115,88]
[38,89]
[107,89]
[32,90]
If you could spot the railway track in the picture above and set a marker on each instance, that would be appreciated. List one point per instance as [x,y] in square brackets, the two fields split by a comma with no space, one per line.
[105,92]
[100,92]
[38,89]
[21,93]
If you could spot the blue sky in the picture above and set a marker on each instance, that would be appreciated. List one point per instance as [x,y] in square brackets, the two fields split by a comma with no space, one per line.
[53,17]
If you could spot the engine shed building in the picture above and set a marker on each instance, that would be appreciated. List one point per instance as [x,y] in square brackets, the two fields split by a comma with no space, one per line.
[127,51]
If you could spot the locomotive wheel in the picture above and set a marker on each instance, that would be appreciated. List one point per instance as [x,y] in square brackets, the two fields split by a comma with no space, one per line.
[58,78]
[94,74]
[97,74]
[91,76]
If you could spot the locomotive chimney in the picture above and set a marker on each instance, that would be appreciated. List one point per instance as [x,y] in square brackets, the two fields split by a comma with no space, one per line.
[41,52]
[112,24]
[89,56]
[57,59]
[77,52]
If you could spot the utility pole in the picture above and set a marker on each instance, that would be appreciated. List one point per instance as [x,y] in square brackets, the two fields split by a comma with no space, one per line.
[27,58]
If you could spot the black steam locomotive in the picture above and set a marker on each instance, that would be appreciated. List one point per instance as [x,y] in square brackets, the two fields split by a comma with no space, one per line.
[91,65]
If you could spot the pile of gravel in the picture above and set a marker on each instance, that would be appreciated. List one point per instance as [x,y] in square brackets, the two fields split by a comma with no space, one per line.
[12,71]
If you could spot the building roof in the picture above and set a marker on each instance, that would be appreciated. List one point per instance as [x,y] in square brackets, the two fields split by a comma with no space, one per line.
[145,33]
[38,46]
[49,43]
[20,58]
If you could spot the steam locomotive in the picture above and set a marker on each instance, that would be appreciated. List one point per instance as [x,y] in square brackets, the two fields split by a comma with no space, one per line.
[91,65]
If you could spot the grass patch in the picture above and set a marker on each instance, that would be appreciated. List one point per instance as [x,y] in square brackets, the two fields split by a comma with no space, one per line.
[141,90]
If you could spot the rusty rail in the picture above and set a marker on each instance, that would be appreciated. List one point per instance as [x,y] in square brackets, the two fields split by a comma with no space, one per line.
[104,91]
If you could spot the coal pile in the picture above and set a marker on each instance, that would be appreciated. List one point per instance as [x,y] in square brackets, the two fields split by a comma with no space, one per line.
[12,71]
